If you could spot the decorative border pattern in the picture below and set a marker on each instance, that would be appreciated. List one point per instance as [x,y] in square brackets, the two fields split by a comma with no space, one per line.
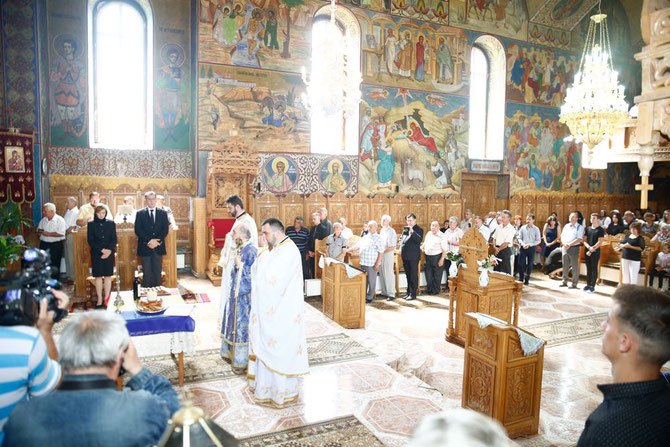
[309,166]
[120,163]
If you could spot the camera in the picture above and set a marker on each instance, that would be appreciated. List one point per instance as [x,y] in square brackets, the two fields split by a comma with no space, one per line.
[405,231]
[22,291]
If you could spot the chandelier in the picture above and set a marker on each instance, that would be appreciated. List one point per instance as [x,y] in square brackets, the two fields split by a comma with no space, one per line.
[334,84]
[594,105]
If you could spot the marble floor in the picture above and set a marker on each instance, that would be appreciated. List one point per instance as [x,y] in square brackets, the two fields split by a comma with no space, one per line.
[415,372]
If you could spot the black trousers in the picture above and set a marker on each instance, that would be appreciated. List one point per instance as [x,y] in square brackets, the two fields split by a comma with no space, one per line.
[411,267]
[525,264]
[433,274]
[506,257]
[592,268]
[305,265]
[447,266]
[653,273]
[152,266]
[55,250]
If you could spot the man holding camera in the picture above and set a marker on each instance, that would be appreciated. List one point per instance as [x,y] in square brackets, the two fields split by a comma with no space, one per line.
[28,356]
[87,408]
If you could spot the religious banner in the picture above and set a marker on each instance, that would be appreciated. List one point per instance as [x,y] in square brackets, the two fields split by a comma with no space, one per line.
[17,168]
[305,174]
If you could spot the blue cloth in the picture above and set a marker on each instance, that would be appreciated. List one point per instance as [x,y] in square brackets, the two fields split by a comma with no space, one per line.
[141,324]
[136,416]
[25,368]
[235,325]
[386,167]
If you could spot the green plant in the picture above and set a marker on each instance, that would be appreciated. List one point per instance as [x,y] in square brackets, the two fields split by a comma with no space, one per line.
[11,219]
[10,250]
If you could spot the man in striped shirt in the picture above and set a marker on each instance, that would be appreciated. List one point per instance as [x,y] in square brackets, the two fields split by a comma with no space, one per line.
[300,237]
[28,360]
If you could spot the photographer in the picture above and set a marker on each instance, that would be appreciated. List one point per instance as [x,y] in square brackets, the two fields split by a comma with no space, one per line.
[87,408]
[28,357]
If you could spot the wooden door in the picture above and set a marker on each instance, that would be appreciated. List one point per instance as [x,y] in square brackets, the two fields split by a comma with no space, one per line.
[479,195]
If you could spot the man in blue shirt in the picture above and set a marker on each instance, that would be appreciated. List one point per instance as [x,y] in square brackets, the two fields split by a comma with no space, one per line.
[87,408]
[300,237]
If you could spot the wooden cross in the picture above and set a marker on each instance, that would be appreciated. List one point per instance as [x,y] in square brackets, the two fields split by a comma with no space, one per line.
[645,187]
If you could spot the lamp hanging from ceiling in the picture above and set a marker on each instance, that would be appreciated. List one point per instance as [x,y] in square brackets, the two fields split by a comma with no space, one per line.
[595,104]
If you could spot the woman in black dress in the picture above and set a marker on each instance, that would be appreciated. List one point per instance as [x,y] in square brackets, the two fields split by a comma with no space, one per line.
[102,239]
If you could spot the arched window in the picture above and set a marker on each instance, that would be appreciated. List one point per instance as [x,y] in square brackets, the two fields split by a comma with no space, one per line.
[120,37]
[334,87]
[487,99]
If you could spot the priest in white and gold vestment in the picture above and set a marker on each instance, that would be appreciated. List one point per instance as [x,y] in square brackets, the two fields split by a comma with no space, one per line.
[235,206]
[277,342]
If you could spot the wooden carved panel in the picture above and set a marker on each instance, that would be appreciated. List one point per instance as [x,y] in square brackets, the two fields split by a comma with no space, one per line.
[454,206]
[267,206]
[481,386]
[400,208]
[360,211]
[224,186]
[516,204]
[528,206]
[338,206]
[583,206]
[313,203]
[419,206]
[380,205]
[328,300]
[180,207]
[467,302]
[292,206]
[519,392]
[558,207]
[514,351]
[234,156]
[570,205]
[484,342]
[437,209]
[351,302]
[542,210]
[596,204]
[498,306]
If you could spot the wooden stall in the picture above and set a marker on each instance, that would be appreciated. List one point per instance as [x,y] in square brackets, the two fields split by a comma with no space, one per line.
[499,299]
[499,380]
[126,258]
[343,297]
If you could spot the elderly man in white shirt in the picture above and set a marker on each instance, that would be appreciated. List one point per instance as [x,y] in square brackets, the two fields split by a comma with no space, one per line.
[70,218]
[503,238]
[371,250]
[432,248]
[478,224]
[51,230]
[571,239]
[346,231]
[386,273]
[466,223]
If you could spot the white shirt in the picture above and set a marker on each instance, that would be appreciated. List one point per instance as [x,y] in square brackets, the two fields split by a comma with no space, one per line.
[173,223]
[347,233]
[432,243]
[71,217]
[450,238]
[389,237]
[484,230]
[55,225]
[606,222]
[504,234]
[129,219]
[571,232]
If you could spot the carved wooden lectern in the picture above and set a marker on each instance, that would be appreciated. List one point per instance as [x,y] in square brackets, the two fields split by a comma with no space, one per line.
[498,380]
[232,169]
[343,297]
[499,299]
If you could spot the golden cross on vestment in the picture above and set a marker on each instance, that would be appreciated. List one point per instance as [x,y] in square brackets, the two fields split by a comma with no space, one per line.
[645,187]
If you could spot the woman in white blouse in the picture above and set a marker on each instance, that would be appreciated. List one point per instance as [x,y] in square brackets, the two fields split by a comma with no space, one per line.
[451,243]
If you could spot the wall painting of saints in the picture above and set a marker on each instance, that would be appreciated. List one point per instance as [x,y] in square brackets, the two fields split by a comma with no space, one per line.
[335,175]
[171,109]
[280,175]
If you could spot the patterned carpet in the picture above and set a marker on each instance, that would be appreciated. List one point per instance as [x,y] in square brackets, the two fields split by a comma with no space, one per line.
[208,365]
[569,330]
[346,431]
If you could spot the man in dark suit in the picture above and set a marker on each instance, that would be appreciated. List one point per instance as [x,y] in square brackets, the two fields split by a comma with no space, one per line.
[151,228]
[410,252]
[317,232]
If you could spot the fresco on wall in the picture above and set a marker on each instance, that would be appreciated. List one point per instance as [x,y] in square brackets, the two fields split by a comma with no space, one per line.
[172,75]
[416,142]
[374,5]
[264,107]
[563,14]
[546,35]
[171,108]
[429,10]
[503,17]
[68,87]
[411,54]
[274,34]
[536,155]
[538,75]
[595,182]
[308,173]
[622,177]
